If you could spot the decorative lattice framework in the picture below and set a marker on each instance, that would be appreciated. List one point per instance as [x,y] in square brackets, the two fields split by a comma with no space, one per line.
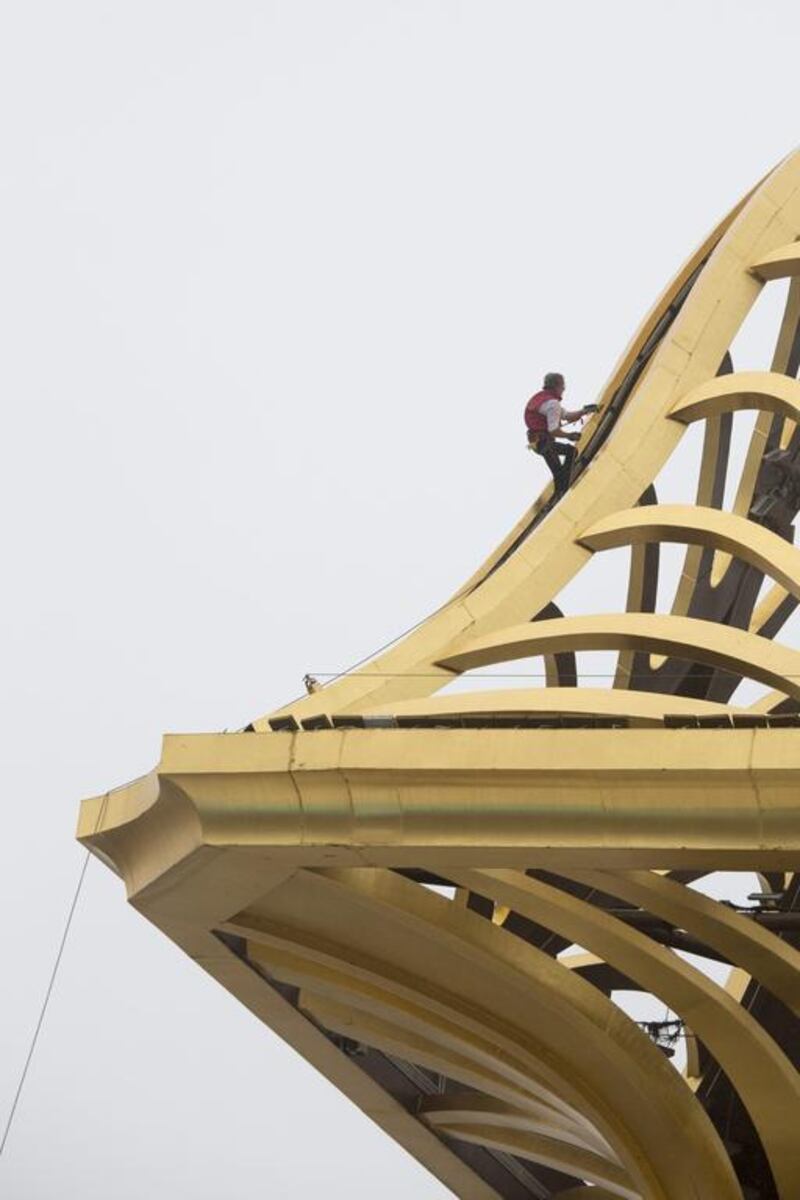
[299,861]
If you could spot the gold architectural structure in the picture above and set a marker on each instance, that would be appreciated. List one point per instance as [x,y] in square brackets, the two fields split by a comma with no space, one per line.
[433,895]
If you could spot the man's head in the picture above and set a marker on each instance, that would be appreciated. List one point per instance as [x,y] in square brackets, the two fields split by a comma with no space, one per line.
[554,382]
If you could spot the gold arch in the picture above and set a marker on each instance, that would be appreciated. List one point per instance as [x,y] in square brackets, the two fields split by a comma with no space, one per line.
[709,527]
[703,641]
[765,391]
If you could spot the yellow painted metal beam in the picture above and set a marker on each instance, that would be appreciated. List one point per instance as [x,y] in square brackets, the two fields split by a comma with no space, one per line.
[744,539]
[713,799]
[766,609]
[684,637]
[767,703]
[471,1107]
[773,962]
[546,1150]
[765,1079]
[782,263]
[382,1031]
[642,708]
[444,973]
[766,391]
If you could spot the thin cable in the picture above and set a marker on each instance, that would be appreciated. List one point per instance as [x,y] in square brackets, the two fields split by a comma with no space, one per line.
[332,676]
[477,674]
[50,986]
[48,993]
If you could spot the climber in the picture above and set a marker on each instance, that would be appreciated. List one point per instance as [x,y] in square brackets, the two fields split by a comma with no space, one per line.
[544,417]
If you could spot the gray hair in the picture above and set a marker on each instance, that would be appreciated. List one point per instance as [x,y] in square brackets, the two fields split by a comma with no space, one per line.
[552,379]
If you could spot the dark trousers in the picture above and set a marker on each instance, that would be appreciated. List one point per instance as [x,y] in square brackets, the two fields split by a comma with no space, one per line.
[553,453]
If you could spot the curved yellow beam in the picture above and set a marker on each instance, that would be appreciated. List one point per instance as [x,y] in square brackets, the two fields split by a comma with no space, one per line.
[473,1108]
[443,972]
[767,609]
[782,263]
[645,708]
[744,539]
[367,1006]
[377,1022]
[763,1076]
[552,1138]
[683,637]
[767,702]
[546,1150]
[390,1036]
[767,958]
[766,391]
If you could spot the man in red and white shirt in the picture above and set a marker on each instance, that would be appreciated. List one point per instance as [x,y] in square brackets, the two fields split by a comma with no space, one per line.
[545,417]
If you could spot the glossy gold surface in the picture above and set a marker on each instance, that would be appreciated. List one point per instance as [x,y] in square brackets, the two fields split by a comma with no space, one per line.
[297,863]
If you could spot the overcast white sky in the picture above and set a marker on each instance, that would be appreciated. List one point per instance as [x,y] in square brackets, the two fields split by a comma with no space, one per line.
[276,279]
